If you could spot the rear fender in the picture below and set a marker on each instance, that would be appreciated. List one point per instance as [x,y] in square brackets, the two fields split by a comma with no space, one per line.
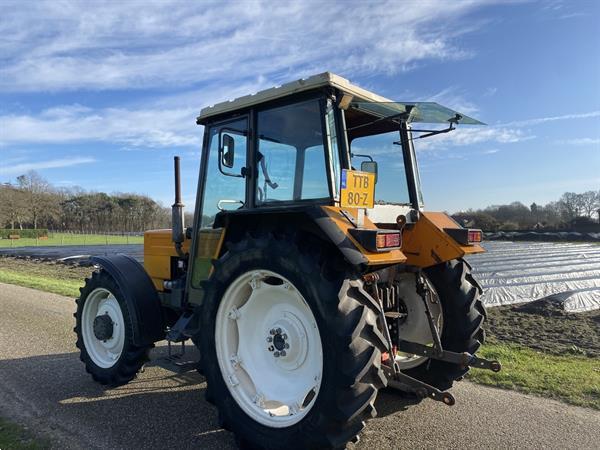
[140,295]
[426,243]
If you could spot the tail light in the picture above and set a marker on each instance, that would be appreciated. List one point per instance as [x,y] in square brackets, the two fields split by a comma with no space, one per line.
[465,236]
[475,236]
[377,240]
[388,240]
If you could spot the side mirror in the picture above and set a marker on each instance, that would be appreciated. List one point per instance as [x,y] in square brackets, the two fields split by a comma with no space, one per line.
[227,150]
[369,166]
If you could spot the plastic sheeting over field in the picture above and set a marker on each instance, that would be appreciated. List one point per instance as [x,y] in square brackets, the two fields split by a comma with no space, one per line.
[517,272]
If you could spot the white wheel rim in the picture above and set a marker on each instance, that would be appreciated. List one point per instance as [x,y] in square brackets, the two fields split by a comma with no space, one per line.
[274,391]
[104,353]
[415,327]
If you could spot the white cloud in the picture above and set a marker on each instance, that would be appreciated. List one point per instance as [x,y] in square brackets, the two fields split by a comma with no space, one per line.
[579,141]
[11,169]
[541,120]
[136,128]
[135,44]
[463,136]
[453,97]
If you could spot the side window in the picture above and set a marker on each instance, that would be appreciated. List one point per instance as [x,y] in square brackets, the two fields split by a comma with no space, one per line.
[291,156]
[224,187]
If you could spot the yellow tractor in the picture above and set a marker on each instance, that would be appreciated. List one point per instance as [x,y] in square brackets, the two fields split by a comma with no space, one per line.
[311,277]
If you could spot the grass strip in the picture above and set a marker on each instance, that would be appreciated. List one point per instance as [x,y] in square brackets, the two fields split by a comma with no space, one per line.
[572,379]
[68,288]
[58,239]
[15,437]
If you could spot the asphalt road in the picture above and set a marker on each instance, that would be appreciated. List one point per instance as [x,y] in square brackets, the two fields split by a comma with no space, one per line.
[75,252]
[43,385]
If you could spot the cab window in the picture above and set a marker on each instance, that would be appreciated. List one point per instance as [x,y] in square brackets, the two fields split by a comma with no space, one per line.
[290,156]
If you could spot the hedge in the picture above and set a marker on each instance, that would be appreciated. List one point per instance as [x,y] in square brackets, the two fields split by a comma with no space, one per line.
[32,234]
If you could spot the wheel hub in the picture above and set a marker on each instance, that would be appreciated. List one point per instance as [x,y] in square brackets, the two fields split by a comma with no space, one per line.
[103,327]
[277,342]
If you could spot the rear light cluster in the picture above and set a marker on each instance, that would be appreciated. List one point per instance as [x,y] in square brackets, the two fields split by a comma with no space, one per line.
[377,240]
[465,236]
[388,240]
[475,236]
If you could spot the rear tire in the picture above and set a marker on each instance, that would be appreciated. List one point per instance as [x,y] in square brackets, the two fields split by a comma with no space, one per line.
[350,341]
[105,332]
[464,315]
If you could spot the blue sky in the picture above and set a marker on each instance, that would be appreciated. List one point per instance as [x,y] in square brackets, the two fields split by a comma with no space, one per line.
[102,95]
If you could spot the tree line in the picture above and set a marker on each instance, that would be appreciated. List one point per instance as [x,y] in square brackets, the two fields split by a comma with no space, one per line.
[571,212]
[32,202]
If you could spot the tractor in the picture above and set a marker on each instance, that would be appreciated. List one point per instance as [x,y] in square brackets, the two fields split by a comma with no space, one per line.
[311,277]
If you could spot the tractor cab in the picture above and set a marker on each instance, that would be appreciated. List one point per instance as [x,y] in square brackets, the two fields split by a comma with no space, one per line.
[288,146]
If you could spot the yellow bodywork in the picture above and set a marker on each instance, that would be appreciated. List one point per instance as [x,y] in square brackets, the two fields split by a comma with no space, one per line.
[391,257]
[158,251]
[426,244]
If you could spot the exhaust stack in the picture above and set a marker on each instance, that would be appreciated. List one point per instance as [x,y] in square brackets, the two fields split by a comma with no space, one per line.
[177,221]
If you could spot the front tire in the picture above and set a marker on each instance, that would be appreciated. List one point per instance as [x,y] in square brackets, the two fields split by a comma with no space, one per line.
[105,332]
[278,289]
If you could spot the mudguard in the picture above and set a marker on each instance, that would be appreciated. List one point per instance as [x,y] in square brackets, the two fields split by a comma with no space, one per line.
[140,295]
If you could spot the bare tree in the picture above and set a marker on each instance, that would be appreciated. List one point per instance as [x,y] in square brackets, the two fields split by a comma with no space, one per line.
[14,206]
[571,206]
[590,202]
[39,200]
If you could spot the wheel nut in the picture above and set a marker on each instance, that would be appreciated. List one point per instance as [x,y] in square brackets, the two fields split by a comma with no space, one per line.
[283,353]
[271,348]
[269,339]
[272,331]
[287,345]
[278,331]
[284,336]
[276,354]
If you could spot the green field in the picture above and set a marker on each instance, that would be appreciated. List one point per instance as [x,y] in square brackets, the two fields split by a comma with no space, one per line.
[72,239]
[45,276]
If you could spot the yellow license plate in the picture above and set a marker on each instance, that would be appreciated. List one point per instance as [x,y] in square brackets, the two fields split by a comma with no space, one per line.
[357,190]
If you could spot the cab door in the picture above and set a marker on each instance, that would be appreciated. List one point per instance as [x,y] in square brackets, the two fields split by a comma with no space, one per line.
[222,186]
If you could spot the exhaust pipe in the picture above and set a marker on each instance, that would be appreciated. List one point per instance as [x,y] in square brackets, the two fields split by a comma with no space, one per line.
[177,221]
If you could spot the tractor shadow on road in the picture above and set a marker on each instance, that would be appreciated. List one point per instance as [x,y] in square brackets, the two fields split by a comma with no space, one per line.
[390,401]
[158,409]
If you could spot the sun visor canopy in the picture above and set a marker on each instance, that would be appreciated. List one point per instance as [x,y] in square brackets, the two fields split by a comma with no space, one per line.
[417,112]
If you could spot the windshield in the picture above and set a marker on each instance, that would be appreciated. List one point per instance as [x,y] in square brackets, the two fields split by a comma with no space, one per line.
[374,134]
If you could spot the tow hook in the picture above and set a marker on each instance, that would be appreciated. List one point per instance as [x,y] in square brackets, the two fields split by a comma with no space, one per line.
[462,359]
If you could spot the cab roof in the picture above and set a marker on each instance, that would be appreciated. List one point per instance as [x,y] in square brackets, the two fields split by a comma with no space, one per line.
[362,100]
[294,87]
